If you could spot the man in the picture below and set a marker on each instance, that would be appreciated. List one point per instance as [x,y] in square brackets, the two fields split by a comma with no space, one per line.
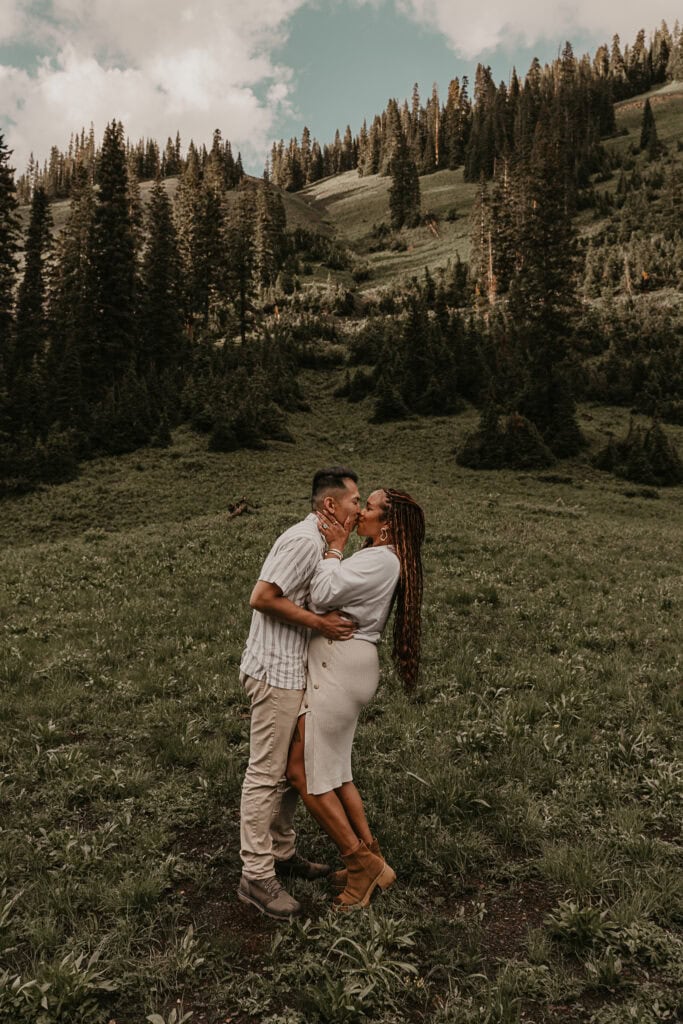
[273,671]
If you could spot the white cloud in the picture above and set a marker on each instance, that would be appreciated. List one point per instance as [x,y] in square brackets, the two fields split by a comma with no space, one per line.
[196,65]
[472,30]
[187,65]
[11,20]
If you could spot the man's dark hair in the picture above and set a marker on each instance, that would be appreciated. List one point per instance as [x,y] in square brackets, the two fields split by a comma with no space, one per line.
[332,478]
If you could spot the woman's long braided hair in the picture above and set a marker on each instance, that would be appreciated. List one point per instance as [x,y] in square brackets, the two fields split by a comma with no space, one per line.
[406,521]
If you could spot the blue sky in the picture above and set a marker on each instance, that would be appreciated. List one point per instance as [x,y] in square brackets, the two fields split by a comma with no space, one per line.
[349,60]
[262,72]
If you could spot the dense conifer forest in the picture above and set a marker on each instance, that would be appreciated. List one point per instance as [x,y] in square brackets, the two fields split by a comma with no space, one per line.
[193,305]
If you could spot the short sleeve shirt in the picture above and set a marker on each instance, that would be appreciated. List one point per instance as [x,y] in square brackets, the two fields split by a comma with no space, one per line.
[276,651]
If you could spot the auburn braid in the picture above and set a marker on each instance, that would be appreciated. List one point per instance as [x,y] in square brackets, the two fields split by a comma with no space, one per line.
[406,521]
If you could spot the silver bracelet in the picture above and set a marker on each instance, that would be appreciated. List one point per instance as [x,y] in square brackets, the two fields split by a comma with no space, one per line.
[335,551]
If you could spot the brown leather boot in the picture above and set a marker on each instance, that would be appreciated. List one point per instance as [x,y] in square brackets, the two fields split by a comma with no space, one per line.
[337,879]
[365,873]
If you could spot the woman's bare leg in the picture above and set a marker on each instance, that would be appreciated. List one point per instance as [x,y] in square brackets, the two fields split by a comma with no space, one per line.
[326,808]
[351,801]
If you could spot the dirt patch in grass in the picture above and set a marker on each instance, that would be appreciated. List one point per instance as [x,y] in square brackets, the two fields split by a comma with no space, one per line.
[212,906]
[510,916]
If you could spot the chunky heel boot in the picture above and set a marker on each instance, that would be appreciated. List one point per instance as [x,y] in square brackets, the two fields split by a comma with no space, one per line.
[365,873]
[337,879]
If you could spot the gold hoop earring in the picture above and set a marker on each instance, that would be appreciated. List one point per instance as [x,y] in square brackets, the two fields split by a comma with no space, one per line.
[384,534]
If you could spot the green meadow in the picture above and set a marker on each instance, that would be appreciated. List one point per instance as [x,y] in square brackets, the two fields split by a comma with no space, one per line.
[529,795]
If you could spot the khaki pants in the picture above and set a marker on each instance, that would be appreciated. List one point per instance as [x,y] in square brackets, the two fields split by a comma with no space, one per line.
[268,801]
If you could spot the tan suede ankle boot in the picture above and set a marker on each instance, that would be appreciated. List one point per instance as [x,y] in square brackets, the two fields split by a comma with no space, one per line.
[365,873]
[337,879]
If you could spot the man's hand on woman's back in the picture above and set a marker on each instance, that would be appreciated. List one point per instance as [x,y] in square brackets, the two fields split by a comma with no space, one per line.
[336,626]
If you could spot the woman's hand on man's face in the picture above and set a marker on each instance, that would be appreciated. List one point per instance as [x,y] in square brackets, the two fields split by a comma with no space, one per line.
[336,534]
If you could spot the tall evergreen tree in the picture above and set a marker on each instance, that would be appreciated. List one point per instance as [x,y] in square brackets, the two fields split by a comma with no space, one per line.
[74,354]
[404,194]
[617,69]
[32,323]
[542,291]
[674,68]
[481,152]
[114,262]
[639,68]
[270,241]
[458,122]
[648,132]
[374,146]
[659,53]
[241,255]
[188,215]
[389,131]
[160,324]
[363,149]
[9,246]
[213,267]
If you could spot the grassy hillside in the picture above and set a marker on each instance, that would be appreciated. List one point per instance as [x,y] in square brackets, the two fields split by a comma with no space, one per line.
[529,797]
[353,206]
[667,107]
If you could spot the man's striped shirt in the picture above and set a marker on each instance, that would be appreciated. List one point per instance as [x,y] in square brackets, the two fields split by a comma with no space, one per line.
[276,651]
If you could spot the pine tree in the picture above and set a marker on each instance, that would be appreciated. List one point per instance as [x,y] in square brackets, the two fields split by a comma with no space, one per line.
[9,245]
[305,155]
[660,51]
[452,143]
[161,341]
[363,150]
[32,325]
[617,70]
[270,240]
[348,152]
[481,152]
[74,354]
[215,170]
[390,132]
[674,68]
[114,261]
[648,132]
[188,216]
[317,165]
[404,194]
[374,146]
[389,404]
[639,68]
[212,266]
[542,291]
[241,256]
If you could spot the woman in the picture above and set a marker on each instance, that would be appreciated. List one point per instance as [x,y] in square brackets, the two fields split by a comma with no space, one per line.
[343,676]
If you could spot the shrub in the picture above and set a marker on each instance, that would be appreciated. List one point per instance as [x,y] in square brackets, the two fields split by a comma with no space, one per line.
[389,404]
[60,463]
[644,457]
[515,445]
[361,385]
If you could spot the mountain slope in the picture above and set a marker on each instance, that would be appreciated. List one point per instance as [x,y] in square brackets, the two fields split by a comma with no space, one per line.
[352,207]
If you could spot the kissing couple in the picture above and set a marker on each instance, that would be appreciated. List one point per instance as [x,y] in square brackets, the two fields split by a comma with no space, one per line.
[309,666]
